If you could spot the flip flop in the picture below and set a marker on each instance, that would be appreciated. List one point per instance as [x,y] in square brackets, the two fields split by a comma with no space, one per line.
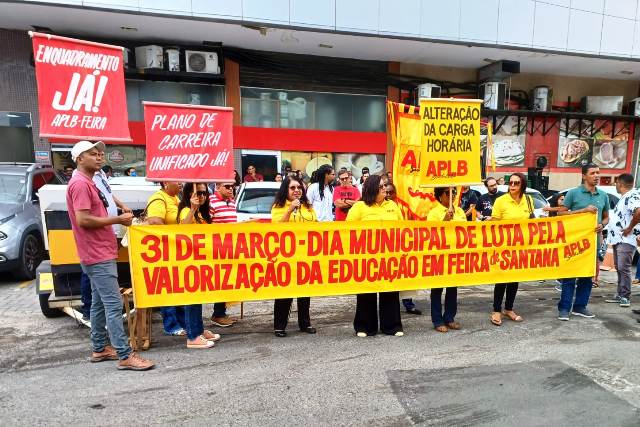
[496,318]
[513,315]
[210,335]
[202,343]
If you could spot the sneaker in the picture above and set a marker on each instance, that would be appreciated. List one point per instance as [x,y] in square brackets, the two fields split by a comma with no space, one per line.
[583,312]
[614,300]
[109,353]
[558,286]
[223,322]
[624,302]
[563,315]
[135,363]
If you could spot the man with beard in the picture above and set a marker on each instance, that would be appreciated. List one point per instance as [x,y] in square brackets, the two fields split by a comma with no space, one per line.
[486,201]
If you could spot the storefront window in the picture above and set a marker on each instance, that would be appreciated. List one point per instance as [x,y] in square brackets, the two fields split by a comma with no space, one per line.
[271,108]
[172,92]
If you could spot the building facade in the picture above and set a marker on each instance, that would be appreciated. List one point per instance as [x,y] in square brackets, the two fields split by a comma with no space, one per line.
[308,80]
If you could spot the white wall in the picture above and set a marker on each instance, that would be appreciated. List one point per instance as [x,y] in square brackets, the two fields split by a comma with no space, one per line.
[600,27]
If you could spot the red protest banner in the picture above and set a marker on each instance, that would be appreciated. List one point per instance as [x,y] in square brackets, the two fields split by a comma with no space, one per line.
[81,91]
[191,143]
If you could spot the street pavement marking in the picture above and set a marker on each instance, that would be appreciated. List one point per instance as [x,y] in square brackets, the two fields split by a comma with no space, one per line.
[26,284]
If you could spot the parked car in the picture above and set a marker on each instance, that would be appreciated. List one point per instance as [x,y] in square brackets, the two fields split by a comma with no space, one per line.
[611,191]
[21,238]
[254,201]
[131,180]
[539,201]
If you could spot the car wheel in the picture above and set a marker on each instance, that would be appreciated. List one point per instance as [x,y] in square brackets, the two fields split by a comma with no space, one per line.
[46,310]
[30,257]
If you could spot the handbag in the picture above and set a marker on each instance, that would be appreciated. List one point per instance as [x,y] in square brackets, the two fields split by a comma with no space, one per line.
[531,214]
[140,220]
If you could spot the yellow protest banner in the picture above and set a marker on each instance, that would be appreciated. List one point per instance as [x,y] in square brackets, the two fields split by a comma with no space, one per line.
[190,264]
[450,142]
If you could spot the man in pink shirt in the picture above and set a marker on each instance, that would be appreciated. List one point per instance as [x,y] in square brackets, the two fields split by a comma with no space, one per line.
[345,195]
[98,250]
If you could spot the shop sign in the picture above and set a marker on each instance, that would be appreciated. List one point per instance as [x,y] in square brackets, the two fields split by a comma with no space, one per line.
[81,92]
[188,142]
[116,156]
[43,157]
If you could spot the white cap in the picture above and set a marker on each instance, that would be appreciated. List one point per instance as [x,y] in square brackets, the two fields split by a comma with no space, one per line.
[82,146]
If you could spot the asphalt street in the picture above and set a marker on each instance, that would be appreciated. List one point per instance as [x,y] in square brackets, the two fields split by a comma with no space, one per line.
[539,372]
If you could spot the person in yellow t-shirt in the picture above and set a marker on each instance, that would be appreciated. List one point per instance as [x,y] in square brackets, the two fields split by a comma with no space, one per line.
[291,205]
[442,322]
[194,209]
[515,205]
[374,207]
[162,208]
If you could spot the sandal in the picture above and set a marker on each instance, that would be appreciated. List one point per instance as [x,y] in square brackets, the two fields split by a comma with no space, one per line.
[454,325]
[210,335]
[441,328]
[200,343]
[512,315]
[496,318]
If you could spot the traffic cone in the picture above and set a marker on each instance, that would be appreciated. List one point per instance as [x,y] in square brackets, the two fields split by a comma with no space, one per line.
[608,264]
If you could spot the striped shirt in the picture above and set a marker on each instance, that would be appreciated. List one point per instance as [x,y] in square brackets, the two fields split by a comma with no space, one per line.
[222,210]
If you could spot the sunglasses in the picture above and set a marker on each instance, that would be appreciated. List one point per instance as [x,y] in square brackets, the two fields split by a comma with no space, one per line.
[381,186]
[202,193]
[514,183]
[103,199]
[344,178]
[295,187]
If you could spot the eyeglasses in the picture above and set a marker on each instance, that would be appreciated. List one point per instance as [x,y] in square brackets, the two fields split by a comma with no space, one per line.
[103,199]
[514,183]
[344,178]
[295,187]
[202,193]
[227,186]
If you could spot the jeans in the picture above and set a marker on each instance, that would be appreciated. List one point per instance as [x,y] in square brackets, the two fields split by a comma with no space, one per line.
[450,306]
[173,319]
[220,309]
[582,289]
[194,324]
[638,271]
[106,308]
[85,292]
[623,255]
[498,294]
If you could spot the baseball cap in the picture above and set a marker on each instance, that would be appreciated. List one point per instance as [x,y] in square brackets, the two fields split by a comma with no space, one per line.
[82,146]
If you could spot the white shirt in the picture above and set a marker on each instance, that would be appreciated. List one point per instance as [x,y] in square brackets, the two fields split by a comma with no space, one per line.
[620,218]
[324,206]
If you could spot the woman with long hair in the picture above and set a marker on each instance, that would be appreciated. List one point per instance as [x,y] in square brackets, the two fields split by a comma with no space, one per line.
[320,192]
[515,205]
[291,205]
[194,209]
[373,206]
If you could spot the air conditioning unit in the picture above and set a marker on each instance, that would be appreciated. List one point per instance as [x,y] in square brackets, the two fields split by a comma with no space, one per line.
[201,62]
[493,95]
[149,56]
[428,90]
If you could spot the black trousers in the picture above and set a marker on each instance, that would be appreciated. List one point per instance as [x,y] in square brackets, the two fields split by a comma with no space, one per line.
[498,295]
[281,309]
[366,319]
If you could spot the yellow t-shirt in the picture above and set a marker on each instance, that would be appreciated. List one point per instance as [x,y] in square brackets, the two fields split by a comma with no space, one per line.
[167,211]
[386,211]
[505,207]
[438,212]
[185,212]
[303,214]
